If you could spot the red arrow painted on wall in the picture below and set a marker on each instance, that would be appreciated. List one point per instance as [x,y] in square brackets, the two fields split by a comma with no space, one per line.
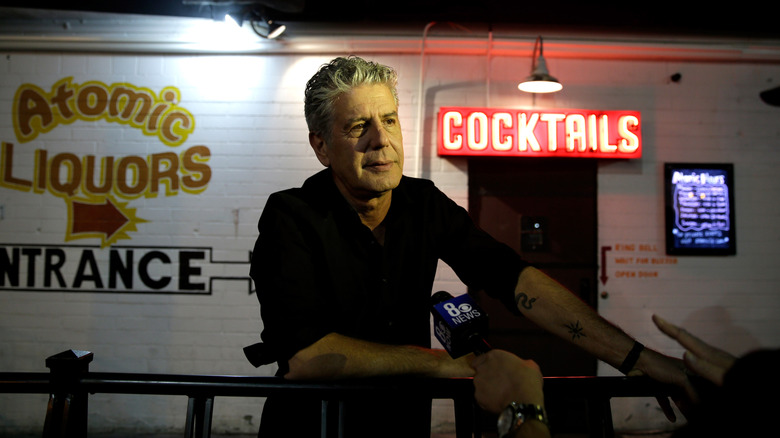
[103,218]
[604,250]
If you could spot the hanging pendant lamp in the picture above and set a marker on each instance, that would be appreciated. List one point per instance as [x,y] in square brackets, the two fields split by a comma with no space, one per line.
[540,80]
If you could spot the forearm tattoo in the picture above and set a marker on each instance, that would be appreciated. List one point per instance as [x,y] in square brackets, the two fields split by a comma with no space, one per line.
[575,330]
[522,299]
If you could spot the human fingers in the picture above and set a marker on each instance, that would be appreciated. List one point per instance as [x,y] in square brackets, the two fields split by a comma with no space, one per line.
[693,344]
[490,386]
[479,361]
[502,377]
[666,408]
[679,334]
[705,368]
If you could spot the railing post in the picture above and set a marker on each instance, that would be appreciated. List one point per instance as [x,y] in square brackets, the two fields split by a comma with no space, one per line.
[332,418]
[467,418]
[600,417]
[67,411]
[200,410]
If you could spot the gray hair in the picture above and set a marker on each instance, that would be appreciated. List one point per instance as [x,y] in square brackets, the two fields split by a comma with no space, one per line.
[335,78]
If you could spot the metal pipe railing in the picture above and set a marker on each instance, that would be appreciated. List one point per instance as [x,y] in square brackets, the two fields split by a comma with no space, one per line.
[69,384]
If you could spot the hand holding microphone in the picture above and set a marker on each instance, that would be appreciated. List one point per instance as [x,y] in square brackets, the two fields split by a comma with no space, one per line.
[503,382]
[459,324]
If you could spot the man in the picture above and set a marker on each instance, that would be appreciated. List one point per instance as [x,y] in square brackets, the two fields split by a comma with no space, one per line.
[344,265]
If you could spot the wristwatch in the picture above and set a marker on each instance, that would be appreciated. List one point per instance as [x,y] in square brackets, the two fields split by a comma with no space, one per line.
[514,415]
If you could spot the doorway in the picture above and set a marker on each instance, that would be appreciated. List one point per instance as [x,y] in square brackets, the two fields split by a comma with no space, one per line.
[544,208]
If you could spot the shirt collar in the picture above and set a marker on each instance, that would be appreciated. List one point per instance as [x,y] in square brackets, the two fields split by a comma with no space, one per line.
[324,191]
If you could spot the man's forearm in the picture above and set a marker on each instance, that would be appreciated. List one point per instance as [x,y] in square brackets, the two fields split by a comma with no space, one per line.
[557,310]
[336,356]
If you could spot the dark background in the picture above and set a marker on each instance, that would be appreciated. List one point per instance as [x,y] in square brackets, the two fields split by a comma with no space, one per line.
[745,19]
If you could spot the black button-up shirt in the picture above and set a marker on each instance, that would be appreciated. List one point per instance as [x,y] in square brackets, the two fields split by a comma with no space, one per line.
[318,269]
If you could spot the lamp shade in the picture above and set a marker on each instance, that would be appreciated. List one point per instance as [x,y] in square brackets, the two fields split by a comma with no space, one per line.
[540,80]
[275,29]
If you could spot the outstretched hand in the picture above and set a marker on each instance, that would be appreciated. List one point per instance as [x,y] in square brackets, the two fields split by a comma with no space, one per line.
[700,358]
[726,381]
[677,372]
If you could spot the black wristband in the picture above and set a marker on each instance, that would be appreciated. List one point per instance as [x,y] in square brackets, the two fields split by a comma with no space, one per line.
[631,358]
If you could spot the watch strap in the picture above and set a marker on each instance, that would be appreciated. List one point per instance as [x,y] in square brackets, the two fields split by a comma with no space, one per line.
[631,358]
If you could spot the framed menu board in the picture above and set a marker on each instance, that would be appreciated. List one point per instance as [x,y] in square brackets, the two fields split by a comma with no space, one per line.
[699,209]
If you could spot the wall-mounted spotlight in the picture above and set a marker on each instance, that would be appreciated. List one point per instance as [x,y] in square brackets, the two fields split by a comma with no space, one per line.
[258,20]
[540,80]
[234,20]
[771,96]
[267,28]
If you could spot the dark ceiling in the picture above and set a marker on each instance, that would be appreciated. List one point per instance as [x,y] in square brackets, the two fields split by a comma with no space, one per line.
[605,16]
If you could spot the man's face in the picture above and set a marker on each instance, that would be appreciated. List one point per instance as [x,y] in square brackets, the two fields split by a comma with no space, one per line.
[365,149]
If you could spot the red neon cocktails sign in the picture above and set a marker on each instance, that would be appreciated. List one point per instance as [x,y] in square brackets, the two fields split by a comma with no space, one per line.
[543,133]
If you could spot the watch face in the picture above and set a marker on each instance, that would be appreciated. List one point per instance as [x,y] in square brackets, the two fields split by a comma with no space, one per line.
[505,421]
[514,415]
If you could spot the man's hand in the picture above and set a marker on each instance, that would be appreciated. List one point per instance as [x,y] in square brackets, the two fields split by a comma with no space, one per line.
[501,377]
[700,357]
[666,369]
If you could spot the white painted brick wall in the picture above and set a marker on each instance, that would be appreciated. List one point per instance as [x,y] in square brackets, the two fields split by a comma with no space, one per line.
[248,111]
[712,115]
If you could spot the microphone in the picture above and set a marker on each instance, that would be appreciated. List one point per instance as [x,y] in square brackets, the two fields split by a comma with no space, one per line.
[458,323]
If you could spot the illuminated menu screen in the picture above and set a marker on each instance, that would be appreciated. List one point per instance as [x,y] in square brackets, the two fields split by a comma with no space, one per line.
[699,209]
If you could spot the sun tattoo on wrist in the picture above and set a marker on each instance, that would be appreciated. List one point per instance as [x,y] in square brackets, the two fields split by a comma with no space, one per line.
[575,330]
